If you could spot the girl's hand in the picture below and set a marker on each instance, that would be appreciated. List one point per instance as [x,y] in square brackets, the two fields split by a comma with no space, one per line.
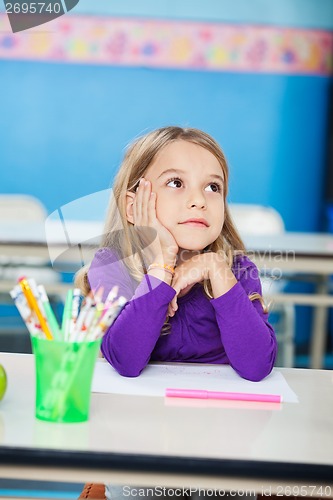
[187,274]
[158,243]
[200,267]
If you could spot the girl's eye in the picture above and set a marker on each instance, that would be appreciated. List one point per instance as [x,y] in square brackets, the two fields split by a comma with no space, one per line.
[216,188]
[176,182]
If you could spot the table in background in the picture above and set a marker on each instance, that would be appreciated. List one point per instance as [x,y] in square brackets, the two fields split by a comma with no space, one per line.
[70,244]
[304,254]
[140,440]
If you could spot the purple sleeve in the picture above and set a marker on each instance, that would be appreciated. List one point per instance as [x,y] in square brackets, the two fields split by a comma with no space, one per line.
[248,339]
[129,342]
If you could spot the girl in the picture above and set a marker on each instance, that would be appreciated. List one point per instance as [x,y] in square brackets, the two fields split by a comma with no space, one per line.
[171,247]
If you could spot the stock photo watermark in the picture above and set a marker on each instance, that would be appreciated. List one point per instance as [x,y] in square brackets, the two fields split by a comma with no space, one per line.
[306,490]
[24,15]
[162,491]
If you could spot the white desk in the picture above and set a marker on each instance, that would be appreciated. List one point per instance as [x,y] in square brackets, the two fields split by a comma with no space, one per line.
[150,441]
[73,243]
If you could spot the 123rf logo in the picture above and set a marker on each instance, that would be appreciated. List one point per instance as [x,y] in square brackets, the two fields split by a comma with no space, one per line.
[24,14]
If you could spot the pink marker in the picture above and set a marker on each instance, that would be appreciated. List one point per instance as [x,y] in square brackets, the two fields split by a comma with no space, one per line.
[231,396]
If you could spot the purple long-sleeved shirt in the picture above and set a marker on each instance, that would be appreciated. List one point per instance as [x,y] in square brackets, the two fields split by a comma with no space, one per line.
[229,329]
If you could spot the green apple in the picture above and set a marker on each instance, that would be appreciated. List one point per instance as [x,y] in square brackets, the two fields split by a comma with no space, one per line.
[3,382]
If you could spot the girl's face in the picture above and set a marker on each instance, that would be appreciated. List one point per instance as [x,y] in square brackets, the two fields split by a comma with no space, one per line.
[188,182]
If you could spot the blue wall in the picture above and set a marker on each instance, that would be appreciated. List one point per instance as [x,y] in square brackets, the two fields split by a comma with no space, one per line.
[63,129]
[301,13]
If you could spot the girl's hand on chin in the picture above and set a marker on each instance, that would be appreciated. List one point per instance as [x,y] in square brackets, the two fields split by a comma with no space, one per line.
[163,246]
[187,274]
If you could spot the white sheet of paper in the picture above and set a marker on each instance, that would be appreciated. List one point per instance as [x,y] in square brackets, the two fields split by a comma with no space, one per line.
[155,378]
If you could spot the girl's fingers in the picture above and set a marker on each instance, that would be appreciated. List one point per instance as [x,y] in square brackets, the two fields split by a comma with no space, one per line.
[142,199]
[174,303]
[172,307]
[135,215]
[152,208]
[138,204]
[145,203]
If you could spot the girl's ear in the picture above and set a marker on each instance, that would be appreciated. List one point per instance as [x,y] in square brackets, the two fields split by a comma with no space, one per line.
[129,206]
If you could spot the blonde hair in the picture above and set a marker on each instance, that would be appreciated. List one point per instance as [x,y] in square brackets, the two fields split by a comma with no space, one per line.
[121,236]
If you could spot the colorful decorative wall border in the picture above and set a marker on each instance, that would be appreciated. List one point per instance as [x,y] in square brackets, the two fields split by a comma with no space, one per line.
[171,44]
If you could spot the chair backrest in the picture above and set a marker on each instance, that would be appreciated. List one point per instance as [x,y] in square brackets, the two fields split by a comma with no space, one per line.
[259,220]
[256,219]
[19,207]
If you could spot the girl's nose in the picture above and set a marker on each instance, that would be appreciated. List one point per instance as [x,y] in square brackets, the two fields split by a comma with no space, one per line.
[196,201]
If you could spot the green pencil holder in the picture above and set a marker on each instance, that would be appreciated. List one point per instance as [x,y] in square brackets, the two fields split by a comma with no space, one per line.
[64,372]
